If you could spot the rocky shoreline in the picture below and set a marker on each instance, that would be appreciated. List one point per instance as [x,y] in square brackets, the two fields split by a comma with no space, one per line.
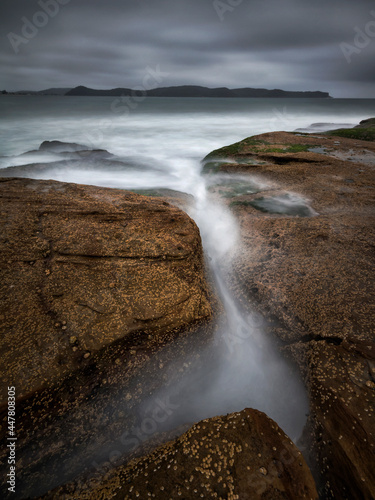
[102,287]
[243,455]
[307,260]
[94,282]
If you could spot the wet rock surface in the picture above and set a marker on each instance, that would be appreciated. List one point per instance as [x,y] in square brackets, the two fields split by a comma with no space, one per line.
[96,284]
[83,267]
[314,275]
[102,290]
[111,286]
[243,455]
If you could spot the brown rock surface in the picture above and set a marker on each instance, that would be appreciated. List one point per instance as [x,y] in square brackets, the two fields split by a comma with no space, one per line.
[316,276]
[96,283]
[83,267]
[240,456]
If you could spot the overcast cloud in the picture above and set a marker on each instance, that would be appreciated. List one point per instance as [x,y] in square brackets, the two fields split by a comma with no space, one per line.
[289,44]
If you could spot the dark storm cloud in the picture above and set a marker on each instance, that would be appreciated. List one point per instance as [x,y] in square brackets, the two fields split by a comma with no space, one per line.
[290,44]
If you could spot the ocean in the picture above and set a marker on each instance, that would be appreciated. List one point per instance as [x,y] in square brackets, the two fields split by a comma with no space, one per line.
[162,130]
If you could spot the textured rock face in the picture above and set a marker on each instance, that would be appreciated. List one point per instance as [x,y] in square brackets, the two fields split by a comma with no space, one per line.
[241,456]
[315,275]
[83,267]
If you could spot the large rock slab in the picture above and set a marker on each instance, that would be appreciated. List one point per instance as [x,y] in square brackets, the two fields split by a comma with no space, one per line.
[83,267]
[243,455]
[311,272]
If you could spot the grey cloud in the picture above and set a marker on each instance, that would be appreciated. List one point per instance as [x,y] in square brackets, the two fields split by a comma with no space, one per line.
[291,44]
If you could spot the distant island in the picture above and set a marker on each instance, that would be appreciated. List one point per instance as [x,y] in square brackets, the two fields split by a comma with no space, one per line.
[195,91]
[177,91]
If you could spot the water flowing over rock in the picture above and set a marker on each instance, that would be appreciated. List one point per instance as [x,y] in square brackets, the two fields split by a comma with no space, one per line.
[243,455]
[105,280]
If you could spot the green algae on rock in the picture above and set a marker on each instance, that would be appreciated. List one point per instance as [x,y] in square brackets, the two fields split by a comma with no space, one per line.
[365,131]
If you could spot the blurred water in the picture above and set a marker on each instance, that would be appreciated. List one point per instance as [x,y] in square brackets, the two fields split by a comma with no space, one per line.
[160,144]
[157,127]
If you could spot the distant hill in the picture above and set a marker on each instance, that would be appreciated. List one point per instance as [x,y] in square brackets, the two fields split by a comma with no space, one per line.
[196,91]
[85,91]
[54,91]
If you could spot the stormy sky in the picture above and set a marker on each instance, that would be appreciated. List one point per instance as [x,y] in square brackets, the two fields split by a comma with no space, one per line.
[326,45]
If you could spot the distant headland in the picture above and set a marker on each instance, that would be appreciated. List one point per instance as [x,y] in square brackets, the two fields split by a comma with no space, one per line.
[178,91]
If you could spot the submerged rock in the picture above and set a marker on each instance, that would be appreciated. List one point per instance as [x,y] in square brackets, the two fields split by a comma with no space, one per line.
[59,160]
[243,455]
[61,147]
[313,276]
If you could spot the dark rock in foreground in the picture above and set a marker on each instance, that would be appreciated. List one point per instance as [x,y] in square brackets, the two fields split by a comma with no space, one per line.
[99,288]
[241,456]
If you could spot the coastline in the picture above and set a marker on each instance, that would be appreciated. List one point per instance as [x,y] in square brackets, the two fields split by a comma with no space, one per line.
[301,263]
